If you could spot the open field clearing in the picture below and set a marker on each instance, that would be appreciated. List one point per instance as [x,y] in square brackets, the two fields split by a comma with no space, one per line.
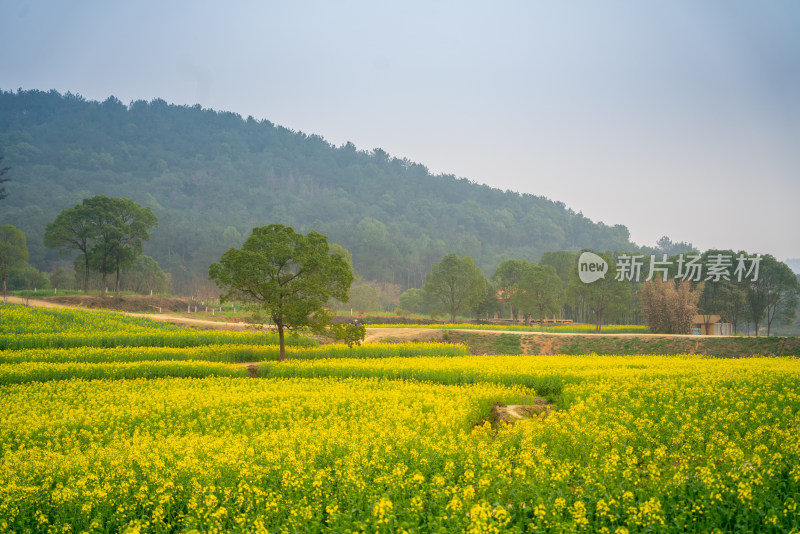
[392,438]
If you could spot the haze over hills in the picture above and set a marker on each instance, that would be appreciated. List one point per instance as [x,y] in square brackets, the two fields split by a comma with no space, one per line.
[212,176]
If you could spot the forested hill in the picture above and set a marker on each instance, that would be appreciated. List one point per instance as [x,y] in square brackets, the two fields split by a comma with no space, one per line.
[211,176]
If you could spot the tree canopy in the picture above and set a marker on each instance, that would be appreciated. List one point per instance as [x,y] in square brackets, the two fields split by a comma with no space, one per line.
[538,291]
[604,297]
[724,296]
[287,277]
[774,294]
[506,279]
[108,233]
[456,284]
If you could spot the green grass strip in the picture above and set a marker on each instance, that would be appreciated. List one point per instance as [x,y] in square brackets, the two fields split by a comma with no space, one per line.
[44,372]
[228,353]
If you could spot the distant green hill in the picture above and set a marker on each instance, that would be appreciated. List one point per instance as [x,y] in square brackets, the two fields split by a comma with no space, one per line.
[211,176]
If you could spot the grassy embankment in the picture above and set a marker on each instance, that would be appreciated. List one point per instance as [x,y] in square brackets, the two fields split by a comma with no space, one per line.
[722,347]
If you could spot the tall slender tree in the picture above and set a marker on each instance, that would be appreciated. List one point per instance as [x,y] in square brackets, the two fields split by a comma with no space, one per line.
[603,298]
[506,277]
[539,291]
[773,294]
[13,252]
[456,284]
[72,230]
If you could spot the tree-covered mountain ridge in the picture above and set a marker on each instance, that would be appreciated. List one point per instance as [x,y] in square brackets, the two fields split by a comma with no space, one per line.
[211,176]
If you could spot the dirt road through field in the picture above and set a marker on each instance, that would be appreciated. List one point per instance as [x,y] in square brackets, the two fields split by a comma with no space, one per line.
[373,334]
[177,319]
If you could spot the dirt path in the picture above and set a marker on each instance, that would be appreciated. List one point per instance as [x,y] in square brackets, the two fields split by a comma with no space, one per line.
[408,333]
[36,303]
[373,334]
[176,319]
[204,323]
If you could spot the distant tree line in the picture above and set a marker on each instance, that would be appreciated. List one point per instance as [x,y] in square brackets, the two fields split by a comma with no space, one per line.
[106,233]
[524,291]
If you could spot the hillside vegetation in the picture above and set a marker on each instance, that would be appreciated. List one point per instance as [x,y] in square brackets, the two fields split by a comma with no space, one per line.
[212,176]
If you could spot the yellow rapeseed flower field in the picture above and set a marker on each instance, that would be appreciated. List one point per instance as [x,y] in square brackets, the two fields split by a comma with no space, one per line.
[38,328]
[658,444]
[396,442]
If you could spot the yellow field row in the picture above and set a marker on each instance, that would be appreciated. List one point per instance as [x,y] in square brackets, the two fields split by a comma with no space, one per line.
[42,328]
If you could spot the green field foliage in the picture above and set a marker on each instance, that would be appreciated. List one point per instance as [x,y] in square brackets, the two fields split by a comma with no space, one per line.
[43,371]
[228,353]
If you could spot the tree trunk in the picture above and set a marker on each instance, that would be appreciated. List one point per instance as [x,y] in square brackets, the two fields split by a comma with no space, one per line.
[86,278]
[103,285]
[599,322]
[283,347]
[116,283]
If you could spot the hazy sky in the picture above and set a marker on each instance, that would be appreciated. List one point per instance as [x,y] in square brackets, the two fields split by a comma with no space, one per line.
[678,118]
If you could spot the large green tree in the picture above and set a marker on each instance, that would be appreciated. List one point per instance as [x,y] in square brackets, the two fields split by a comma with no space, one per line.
[13,251]
[719,295]
[562,261]
[72,230]
[130,226]
[285,276]
[505,278]
[774,293]
[539,291]
[604,298]
[456,284]
[108,232]
[488,305]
